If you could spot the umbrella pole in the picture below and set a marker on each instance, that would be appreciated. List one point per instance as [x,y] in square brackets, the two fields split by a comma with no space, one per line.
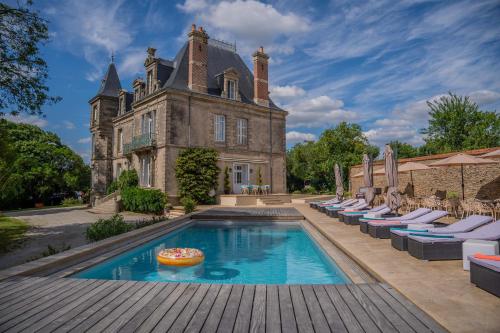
[412,186]
[463,186]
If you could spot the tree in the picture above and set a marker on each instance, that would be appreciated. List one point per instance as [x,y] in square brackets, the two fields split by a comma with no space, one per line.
[196,172]
[404,150]
[313,162]
[456,123]
[227,183]
[39,166]
[23,72]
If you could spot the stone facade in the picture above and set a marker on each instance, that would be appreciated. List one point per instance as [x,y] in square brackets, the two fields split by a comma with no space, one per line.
[174,119]
[481,181]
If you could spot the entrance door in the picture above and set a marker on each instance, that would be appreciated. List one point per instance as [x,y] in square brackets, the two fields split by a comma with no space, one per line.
[240,177]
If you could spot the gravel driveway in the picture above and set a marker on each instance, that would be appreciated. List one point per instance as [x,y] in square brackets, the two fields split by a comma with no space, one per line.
[57,227]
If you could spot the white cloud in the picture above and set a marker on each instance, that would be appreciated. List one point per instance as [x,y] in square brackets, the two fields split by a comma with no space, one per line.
[382,135]
[133,62]
[484,97]
[317,112]
[286,91]
[192,6]
[25,119]
[85,140]
[68,124]
[294,137]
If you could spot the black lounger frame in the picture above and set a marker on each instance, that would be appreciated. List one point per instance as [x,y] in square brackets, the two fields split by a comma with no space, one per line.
[485,278]
[435,251]
[399,242]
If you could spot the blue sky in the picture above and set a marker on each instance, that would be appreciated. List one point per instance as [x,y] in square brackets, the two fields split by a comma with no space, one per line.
[370,62]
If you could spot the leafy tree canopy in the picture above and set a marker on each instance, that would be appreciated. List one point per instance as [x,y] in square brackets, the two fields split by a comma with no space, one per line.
[456,123]
[404,150]
[23,72]
[196,172]
[313,162]
[38,165]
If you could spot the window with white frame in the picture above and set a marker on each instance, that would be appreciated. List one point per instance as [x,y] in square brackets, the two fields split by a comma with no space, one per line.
[220,128]
[241,131]
[150,81]
[94,114]
[145,171]
[93,146]
[120,140]
[231,89]
[148,123]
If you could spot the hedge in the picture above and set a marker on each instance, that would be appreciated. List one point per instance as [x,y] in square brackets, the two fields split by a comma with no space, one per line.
[143,200]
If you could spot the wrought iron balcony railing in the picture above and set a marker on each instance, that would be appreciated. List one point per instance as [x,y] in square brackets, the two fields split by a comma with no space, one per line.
[139,142]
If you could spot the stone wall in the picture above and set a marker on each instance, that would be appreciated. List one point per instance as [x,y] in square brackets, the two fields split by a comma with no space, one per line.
[481,181]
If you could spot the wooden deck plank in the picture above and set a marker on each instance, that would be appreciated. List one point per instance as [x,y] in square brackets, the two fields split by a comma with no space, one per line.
[96,316]
[136,307]
[258,320]
[332,316]
[396,321]
[26,296]
[172,314]
[196,323]
[191,308]
[25,284]
[28,314]
[242,323]
[46,316]
[397,307]
[363,318]
[377,316]
[287,315]
[69,315]
[420,314]
[302,317]
[346,314]
[22,308]
[231,311]
[102,324]
[273,320]
[137,320]
[315,312]
[149,324]
[214,316]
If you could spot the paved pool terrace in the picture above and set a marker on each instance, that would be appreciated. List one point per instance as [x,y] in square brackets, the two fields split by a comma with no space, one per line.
[40,296]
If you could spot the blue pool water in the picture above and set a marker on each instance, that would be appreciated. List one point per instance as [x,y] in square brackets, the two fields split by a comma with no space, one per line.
[244,253]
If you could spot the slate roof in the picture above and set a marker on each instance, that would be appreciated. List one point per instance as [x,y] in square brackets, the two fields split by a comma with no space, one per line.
[110,85]
[219,60]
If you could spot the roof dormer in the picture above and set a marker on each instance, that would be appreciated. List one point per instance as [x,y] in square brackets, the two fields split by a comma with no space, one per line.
[229,84]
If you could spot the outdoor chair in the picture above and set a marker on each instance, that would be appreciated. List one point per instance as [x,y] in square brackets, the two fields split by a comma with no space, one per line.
[399,236]
[485,274]
[449,247]
[255,189]
[363,222]
[245,189]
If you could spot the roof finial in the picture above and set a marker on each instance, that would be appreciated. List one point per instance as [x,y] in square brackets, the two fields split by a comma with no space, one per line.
[112,56]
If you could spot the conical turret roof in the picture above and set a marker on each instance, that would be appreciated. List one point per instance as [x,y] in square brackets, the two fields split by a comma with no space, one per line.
[110,84]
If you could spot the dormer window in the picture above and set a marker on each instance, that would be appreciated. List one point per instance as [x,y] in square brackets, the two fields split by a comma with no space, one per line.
[231,89]
[150,81]
[94,114]
[122,105]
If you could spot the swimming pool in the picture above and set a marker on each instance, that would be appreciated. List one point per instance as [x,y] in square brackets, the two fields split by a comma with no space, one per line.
[240,252]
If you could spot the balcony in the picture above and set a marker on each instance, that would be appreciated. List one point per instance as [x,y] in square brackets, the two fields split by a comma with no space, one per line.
[140,142]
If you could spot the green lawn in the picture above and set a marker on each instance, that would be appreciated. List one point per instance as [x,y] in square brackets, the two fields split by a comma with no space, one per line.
[11,231]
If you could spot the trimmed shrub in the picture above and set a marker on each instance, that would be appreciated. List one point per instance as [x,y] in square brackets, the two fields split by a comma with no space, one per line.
[105,228]
[227,183]
[259,177]
[143,200]
[188,204]
[127,179]
[71,202]
[196,172]
[113,187]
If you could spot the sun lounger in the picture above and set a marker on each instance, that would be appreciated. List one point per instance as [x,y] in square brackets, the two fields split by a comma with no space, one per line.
[485,274]
[316,204]
[449,247]
[323,207]
[358,204]
[352,218]
[363,222]
[399,236]
[382,229]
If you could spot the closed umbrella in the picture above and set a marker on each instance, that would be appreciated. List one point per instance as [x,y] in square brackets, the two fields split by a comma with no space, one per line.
[391,175]
[339,192]
[462,159]
[492,154]
[410,167]
[368,179]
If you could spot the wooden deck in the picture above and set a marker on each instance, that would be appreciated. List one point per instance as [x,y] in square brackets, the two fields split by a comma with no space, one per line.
[50,304]
[254,213]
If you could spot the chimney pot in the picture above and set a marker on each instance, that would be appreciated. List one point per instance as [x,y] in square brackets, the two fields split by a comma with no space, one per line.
[200,29]
[261,49]
[193,27]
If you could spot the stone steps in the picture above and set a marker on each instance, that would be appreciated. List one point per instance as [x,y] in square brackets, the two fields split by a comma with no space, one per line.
[106,206]
[270,201]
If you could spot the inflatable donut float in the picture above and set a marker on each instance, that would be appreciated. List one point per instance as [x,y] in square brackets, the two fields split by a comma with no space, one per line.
[180,257]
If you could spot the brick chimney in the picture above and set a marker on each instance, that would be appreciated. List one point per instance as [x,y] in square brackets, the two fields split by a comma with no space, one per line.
[198,58]
[260,77]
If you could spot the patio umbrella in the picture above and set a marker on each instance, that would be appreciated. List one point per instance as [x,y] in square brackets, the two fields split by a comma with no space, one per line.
[368,179]
[339,192]
[391,174]
[410,167]
[462,159]
[494,154]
